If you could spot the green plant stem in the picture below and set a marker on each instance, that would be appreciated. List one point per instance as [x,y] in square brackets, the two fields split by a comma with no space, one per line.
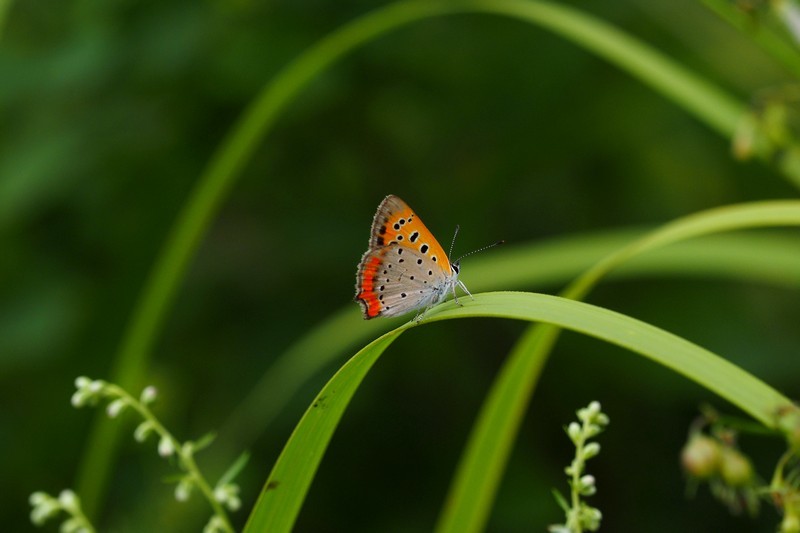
[185,457]
[573,519]
[85,524]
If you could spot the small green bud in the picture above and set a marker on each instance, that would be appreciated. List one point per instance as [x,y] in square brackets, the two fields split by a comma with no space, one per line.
[166,447]
[590,450]
[214,525]
[37,498]
[789,423]
[148,395]
[590,518]
[790,523]
[574,431]
[143,431]
[44,506]
[228,495]
[735,468]
[586,485]
[79,398]
[69,501]
[745,137]
[116,407]
[183,490]
[700,456]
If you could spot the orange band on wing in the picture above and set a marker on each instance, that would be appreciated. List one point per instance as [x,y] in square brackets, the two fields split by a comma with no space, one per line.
[367,295]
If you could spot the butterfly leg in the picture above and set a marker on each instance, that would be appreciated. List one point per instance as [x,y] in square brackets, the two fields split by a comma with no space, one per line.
[464,288]
[421,313]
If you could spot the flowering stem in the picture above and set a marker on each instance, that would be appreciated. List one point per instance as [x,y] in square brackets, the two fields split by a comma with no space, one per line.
[581,516]
[84,522]
[573,520]
[184,453]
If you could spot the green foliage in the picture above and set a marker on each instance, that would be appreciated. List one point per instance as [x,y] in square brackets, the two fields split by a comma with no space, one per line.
[112,111]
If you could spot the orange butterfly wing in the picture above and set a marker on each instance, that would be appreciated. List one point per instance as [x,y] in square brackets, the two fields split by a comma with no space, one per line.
[395,225]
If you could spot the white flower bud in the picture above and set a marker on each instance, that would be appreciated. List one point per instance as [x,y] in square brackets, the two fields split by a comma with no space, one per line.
[590,518]
[44,506]
[214,525]
[96,386]
[148,395]
[183,490]
[68,500]
[590,450]
[143,431]
[228,494]
[116,407]
[82,382]
[79,398]
[234,503]
[574,431]
[165,447]
[41,513]
[37,498]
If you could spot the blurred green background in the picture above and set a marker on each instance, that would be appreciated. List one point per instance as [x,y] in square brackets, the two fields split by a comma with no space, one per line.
[110,112]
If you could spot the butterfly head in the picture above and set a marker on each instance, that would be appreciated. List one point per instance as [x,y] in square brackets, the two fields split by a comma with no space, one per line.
[455,266]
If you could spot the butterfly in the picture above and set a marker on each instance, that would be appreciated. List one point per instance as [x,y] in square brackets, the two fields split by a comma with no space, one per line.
[405,268]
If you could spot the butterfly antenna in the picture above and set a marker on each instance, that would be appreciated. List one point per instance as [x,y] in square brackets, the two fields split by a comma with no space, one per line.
[453,242]
[498,243]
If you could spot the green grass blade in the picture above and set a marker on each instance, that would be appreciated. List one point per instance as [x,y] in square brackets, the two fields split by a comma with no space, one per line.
[700,97]
[5,7]
[712,372]
[755,257]
[286,488]
[762,34]
[718,220]
[473,490]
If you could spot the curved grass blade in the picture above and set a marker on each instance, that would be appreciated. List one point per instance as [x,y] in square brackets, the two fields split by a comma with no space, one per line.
[285,490]
[478,475]
[755,258]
